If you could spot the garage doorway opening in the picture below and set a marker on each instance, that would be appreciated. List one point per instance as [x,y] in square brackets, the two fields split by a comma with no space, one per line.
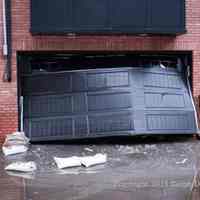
[32,63]
[73,96]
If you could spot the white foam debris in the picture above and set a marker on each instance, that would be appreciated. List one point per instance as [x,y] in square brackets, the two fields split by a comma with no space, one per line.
[88,161]
[15,143]
[130,149]
[15,149]
[22,166]
[150,146]
[67,162]
[16,138]
[162,66]
[89,149]
[182,162]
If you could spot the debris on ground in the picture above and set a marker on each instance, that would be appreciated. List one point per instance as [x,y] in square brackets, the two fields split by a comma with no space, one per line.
[88,149]
[67,162]
[15,149]
[126,149]
[16,138]
[93,160]
[22,166]
[86,161]
[182,162]
[15,143]
[150,146]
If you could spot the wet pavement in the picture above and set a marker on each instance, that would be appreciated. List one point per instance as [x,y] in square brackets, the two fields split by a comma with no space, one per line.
[139,171]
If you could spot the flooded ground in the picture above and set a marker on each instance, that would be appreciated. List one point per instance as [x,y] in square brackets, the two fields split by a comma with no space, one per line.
[154,171]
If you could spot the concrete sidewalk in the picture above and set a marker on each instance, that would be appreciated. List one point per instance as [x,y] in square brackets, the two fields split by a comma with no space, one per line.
[160,171]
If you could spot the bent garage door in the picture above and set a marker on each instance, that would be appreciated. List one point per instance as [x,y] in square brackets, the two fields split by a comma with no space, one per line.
[107,102]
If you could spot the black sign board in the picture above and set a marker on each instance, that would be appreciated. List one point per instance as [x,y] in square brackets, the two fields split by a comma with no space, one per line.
[108,16]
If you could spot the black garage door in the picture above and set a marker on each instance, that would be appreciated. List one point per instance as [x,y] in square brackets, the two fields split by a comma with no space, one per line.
[107,102]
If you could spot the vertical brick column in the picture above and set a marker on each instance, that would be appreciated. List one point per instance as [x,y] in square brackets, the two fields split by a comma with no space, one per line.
[8,106]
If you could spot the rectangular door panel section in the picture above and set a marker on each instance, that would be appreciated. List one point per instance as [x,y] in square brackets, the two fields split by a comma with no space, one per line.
[108,79]
[47,84]
[54,105]
[110,101]
[49,127]
[111,123]
[170,121]
[160,80]
[68,82]
[164,99]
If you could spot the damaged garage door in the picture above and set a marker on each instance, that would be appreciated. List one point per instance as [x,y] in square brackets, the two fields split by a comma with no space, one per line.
[107,102]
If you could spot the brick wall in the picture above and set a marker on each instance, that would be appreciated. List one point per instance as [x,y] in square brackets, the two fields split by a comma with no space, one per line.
[24,41]
[8,94]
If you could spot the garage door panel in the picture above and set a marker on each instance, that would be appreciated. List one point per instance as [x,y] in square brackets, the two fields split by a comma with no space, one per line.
[162,80]
[54,105]
[78,127]
[169,121]
[46,84]
[163,70]
[109,101]
[137,78]
[164,100]
[77,103]
[50,127]
[48,105]
[75,82]
[79,81]
[106,102]
[107,124]
[81,127]
[102,80]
